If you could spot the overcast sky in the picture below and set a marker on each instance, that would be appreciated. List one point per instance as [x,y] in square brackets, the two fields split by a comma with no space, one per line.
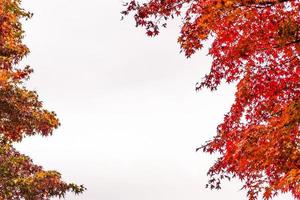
[131,119]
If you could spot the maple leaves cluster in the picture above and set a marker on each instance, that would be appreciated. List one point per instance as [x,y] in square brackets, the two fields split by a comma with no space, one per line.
[21,115]
[257,45]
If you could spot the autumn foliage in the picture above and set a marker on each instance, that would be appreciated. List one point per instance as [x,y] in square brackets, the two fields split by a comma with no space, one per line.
[21,115]
[256,44]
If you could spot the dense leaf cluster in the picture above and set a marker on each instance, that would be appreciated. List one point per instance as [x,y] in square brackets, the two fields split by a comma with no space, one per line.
[21,115]
[257,44]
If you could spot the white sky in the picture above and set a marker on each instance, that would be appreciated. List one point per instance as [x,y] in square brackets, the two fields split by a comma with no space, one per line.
[131,119]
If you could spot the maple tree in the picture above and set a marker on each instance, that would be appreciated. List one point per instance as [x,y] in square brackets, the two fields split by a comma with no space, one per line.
[256,44]
[21,115]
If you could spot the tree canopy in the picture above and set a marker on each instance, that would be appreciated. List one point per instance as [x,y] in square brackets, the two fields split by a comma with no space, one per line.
[256,43]
[22,114]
